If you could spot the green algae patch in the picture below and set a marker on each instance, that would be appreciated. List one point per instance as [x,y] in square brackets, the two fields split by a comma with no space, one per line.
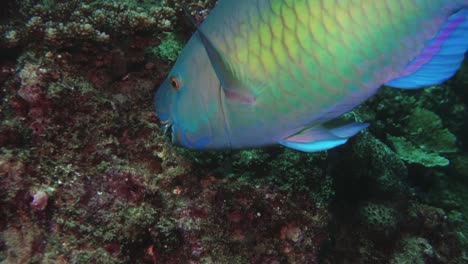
[424,140]
[413,154]
[168,49]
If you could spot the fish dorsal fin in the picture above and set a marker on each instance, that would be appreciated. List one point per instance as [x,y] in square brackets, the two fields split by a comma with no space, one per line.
[189,16]
[440,58]
[232,88]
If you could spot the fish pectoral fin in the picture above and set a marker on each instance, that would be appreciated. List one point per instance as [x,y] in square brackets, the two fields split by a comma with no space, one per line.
[233,89]
[319,138]
[441,57]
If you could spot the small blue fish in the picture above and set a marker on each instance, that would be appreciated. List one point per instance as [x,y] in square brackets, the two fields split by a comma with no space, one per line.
[262,72]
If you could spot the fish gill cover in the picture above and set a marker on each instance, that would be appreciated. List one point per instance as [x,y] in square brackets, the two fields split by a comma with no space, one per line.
[86,175]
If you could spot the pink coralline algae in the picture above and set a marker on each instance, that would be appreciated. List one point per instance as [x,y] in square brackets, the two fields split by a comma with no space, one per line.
[39,200]
[291,232]
[86,175]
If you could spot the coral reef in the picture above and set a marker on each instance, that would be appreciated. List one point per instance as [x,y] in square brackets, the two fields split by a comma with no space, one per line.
[373,170]
[415,250]
[426,139]
[86,175]
[379,218]
[168,50]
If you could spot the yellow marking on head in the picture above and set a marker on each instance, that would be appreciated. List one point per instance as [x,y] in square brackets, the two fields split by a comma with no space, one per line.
[276,7]
[288,17]
[329,23]
[343,19]
[319,33]
[241,50]
[329,5]
[302,14]
[276,27]
[290,3]
[305,39]
[279,52]
[254,44]
[265,35]
[268,60]
[315,9]
[255,64]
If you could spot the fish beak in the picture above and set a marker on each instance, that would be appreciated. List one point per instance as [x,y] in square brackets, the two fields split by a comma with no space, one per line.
[166,125]
[166,128]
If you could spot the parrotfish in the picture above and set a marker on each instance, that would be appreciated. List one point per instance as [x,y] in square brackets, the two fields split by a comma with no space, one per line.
[263,72]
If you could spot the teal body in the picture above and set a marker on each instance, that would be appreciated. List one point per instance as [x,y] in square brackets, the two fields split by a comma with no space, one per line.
[262,72]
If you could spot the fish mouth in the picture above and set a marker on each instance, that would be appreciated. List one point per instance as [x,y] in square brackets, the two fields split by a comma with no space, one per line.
[168,129]
[166,125]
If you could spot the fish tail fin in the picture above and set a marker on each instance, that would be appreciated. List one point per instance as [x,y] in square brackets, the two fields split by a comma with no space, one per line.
[441,57]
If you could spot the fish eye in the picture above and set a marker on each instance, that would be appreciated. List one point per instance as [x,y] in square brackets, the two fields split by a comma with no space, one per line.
[175,83]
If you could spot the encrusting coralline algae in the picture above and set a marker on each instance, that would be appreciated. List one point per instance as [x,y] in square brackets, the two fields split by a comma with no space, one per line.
[87,176]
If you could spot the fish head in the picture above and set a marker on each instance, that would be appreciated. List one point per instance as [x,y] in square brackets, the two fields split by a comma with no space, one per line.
[188,101]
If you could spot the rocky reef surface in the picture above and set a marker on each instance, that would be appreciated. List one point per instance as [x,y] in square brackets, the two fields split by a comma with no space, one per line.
[86,175]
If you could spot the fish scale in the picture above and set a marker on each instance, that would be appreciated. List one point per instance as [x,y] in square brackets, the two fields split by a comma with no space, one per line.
[277,68]
[298,47]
